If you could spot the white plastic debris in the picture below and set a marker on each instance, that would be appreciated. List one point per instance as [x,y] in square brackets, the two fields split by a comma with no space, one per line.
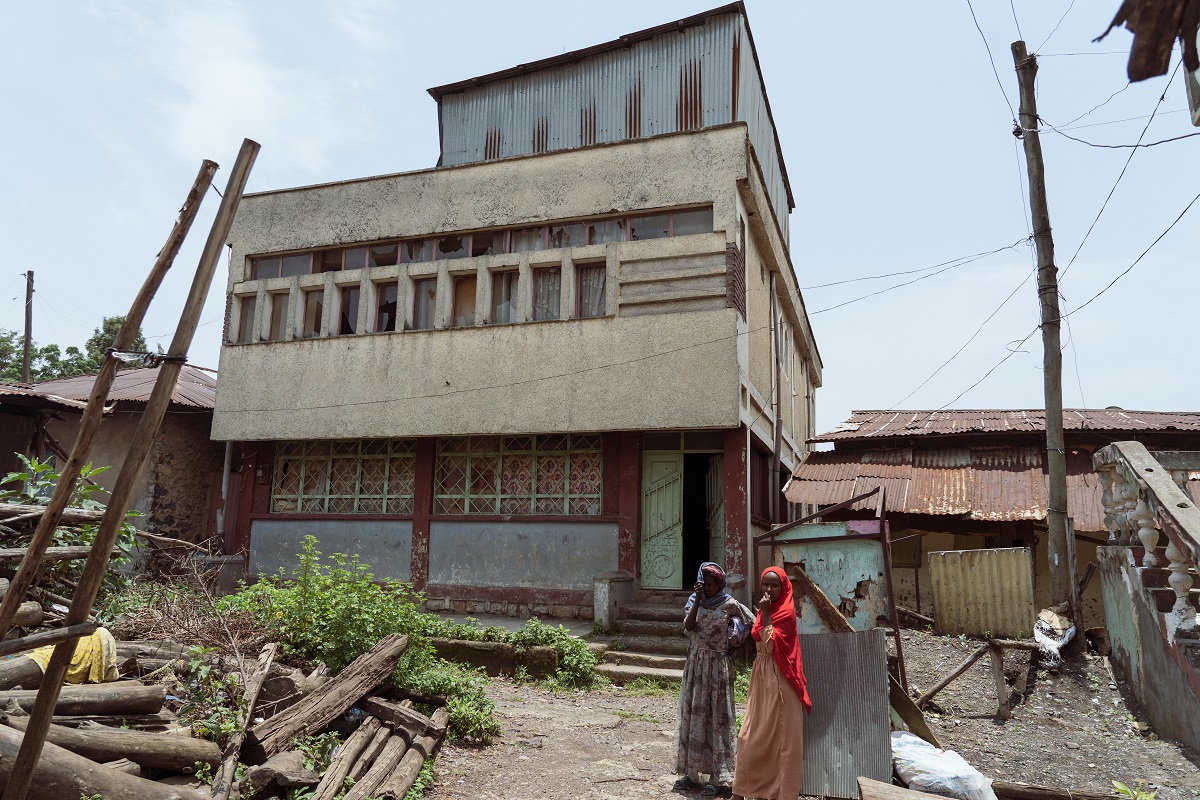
[1052,632]
[925,768]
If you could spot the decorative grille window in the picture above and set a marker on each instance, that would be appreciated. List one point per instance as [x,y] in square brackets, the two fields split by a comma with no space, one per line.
[371,476]
[553,474]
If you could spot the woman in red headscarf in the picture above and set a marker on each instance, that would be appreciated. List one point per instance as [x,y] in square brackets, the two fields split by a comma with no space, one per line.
[770,745]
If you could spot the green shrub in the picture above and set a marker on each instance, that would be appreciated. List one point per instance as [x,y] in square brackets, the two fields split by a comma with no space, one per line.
[575,660]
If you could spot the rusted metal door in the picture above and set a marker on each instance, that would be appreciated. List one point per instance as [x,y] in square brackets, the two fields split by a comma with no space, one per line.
[662,521]
[716,509]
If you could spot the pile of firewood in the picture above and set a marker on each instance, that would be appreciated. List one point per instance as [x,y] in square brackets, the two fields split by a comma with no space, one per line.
[120,739]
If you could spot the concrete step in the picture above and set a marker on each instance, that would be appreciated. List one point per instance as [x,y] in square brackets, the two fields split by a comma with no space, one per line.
[662,597]
[647,627]
[630,658]
[624,673]
[663,645]
[647,611]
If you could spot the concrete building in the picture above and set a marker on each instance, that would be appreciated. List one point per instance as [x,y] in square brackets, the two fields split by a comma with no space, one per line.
[556,355]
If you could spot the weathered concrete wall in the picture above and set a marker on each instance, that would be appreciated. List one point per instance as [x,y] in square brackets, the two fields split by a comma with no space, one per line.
[108,450]
[184,458]
[1140,647]
[558,555]
[666,371]
[383,545]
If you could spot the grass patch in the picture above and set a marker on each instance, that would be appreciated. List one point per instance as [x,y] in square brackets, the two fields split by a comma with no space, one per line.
[741,680]
[424,781]
[636,716]
[652,687]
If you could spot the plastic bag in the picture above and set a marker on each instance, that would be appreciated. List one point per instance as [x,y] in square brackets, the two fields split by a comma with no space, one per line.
[925,768]
[1052,631]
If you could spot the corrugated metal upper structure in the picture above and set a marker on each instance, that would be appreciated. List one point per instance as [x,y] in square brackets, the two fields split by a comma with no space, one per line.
[697,72]
[901,424]
[27,395]
[196,387]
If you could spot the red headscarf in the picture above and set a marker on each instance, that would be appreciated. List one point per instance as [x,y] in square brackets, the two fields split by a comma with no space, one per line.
[785,638]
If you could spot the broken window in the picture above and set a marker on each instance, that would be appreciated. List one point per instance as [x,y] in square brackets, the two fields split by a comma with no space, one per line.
[384,255]
[245,333]
[534,475]
[489,243]
[452,247]
[547,290]
[504,296]
[330,261]
[416,250]
[696,220]
[589,287]
[424,303]
[314,307]
[385,306]
[356,258]
[568,235]
[603,231]
[371,476]
[348,318]
[279,316]
[524,240]
[650,226]
[464,301]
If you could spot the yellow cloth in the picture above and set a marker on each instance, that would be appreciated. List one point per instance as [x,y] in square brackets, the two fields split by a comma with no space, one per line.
[95,659]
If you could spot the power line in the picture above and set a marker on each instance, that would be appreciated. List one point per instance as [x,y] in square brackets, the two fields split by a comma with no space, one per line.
[1104,205]
[1121,146]
[1097,107]
[1015,20]
[969,260]
[1069,127]
[1060,22]
[995,72]
[896,274]
[1097,53]
[1012,351]
[1127,270]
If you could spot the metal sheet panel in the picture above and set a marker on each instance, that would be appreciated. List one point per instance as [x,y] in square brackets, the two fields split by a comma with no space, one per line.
[983,592]
[849,571]
[886,424]
[848,732]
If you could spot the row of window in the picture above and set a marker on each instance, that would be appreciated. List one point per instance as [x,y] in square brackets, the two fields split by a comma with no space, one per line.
[537,475]
[484,243]
[545,304]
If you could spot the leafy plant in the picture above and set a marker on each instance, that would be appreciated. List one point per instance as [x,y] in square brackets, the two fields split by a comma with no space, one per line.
[1138,792]
[317,750]
[472,714]
[741,681]
[423,781]
[214,698]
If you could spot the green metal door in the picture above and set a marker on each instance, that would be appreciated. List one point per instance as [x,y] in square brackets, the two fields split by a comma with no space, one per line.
[662,521]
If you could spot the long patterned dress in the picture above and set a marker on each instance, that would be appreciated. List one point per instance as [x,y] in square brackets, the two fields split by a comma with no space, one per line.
[705,738]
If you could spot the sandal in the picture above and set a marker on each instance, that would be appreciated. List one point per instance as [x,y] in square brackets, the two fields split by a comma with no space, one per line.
[709,790]
[683,784]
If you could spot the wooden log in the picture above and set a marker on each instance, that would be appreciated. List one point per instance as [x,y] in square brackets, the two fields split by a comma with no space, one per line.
[151,648]
[43,638]
[380,769]
[328,701]
[921,618]
[126,766]
[151,750]
[333,781]
[118,697]
[60,774]
[12,555]
[29,615]
[157,722]
[903,705]
[1014,644]
[959,670]
[397,784]
[398,716]
[223,782]
[1028,791]
[876,790]
[369,753]
[70,516]
[417,697]
[20,671]
[1002,692]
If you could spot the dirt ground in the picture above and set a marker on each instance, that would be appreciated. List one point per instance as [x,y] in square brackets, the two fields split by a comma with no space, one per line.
[1073,731]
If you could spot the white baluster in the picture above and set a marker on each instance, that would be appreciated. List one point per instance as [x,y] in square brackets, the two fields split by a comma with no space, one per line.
[1124,501]
[1109,502]
[1147,533]
[1181,582]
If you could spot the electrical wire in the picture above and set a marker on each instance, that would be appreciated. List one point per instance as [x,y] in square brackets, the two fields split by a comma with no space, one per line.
[1118,121]
[1012,351]
[1015,20]
[1097,107]
[1121,146]
[1055,30]
[896,274]
[995,72]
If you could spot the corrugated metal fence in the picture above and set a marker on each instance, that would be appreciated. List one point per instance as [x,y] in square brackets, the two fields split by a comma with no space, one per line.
[983,592]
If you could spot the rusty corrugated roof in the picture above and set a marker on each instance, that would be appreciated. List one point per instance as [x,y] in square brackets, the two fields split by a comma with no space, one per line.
[894,424]
[28,395]
[196,387]
[996,484]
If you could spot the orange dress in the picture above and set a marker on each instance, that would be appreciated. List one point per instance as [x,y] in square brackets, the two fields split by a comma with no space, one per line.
[770,746]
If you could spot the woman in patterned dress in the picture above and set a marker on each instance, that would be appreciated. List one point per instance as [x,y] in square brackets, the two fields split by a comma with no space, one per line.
[705,738]
[771,742]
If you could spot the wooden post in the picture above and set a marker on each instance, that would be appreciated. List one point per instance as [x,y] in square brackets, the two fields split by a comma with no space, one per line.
[28,328]
[1056,454]
[139,449]
[223,783]
[1077,643]
[89,421]
[997,655]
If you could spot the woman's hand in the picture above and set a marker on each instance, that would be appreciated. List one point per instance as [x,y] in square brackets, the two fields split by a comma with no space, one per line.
[698,589]
[764,604]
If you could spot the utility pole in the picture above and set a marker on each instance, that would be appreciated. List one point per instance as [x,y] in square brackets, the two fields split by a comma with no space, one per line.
[1056,454]
[28,326]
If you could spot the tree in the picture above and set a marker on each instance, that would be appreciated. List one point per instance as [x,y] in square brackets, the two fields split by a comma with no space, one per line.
[50,361]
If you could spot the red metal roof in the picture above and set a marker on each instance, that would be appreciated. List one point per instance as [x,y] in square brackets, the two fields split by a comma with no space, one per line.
[988,484]
[895,424]
[196,387]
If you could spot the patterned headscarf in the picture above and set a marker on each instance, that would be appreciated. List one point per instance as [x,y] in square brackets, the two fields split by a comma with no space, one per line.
[714,569]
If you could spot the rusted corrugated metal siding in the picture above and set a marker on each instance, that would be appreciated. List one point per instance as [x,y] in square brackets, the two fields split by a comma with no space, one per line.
[980,592]
[195,387]
[891,424]
[674,81]
[848,732]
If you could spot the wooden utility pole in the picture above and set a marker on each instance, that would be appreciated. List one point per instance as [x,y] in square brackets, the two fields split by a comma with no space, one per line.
[28,326]
[1056,454]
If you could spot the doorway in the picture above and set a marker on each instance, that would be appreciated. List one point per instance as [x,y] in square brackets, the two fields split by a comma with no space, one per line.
[683,517]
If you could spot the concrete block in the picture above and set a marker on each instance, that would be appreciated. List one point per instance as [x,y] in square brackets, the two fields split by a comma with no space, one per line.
[540,609]
[610,591]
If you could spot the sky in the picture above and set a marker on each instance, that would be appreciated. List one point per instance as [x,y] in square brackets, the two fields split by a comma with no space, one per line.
[895,127]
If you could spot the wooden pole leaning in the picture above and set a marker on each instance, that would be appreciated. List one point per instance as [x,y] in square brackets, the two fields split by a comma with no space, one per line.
[143,438]
[90,419]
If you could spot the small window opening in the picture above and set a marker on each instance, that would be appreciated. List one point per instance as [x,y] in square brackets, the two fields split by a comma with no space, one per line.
[464,301]
[385,310]
[280,304]
[264,268]
[696,220]
[650,226]
[384,255]
[246,320]
[589,283]
[547,292]
[348,319]
[331,260]
[525,240]
[567,235]
[314,307]
[424,303]
[356,258]
[489,243]
[504,296]
[603,231]
[453,247]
